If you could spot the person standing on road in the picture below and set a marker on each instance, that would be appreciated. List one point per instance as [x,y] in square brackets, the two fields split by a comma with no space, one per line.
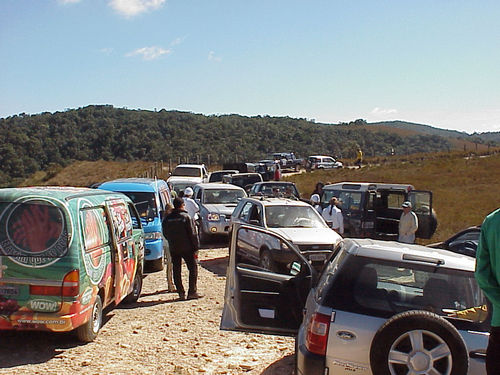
[180,231]
[488,277]
[408,224]
[359,156]
[277,171]
[192,207]
[315,202]
[333,216]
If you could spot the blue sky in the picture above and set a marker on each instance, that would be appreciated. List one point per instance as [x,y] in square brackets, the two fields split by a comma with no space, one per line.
[434,62]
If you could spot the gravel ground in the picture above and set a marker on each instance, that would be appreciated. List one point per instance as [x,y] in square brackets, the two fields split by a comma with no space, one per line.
[156,335]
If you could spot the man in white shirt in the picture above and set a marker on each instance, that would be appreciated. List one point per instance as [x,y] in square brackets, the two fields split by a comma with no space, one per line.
[190,204]
[333,216]
[408,224]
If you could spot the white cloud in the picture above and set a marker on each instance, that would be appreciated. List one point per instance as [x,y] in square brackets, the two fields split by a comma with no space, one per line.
[130,8]
[382,112]
[64,2]
[149,53]
[213,57]
[106,51]
[177,41]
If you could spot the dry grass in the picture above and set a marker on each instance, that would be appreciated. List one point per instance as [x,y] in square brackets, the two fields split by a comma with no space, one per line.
[464,190]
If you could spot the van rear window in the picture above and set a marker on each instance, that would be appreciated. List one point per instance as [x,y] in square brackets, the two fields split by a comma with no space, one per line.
[34,229]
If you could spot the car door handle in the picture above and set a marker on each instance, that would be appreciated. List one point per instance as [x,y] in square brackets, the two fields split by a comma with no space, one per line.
[478,354]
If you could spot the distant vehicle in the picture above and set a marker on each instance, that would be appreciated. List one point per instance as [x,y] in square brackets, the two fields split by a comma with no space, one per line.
[217,202]
[216,176]
[288,160]
[185,175]
[296,220]
[65,255]
[243,180]
[322,162]
[268,189]
[464,242]
[378,307]
[152,198]
[373,209]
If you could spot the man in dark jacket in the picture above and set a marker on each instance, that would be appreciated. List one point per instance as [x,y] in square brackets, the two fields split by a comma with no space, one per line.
[180,231]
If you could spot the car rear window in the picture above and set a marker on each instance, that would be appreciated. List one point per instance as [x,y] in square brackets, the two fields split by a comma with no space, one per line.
[383,288]
[34,229]
[187,171]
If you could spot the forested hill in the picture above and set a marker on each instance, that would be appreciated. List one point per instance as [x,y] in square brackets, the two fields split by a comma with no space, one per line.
[29,143]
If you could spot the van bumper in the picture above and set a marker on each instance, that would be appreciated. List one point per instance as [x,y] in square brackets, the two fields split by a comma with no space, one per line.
[154,249]
[24,321]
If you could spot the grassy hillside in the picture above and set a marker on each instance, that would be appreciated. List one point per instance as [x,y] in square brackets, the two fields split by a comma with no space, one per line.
[464,189]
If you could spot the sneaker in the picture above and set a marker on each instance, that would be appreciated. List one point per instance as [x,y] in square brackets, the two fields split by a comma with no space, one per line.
[194,296]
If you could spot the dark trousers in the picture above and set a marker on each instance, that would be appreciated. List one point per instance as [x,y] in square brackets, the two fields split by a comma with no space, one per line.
[493,352]
[193,272]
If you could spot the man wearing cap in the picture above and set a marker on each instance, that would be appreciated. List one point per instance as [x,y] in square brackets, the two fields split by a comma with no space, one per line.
[180,231]
[408,224]
[191,205]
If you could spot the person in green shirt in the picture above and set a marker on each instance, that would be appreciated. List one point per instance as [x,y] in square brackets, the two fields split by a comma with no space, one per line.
[488,277]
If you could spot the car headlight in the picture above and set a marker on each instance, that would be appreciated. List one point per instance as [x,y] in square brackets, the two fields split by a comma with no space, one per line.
[153,236]
[213,217]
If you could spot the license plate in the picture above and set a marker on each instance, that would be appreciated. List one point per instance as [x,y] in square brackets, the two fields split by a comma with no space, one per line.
[317,257]
[9,291]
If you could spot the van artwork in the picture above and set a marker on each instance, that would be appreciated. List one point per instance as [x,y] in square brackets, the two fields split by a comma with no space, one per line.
[65,254]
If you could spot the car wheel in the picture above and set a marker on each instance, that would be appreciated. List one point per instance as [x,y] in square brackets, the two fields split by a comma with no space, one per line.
[157,264]
[266,261]
[136,289]
[418,342]
[88,332]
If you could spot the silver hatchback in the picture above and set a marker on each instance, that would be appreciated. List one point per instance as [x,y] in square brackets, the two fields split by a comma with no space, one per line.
[377,308]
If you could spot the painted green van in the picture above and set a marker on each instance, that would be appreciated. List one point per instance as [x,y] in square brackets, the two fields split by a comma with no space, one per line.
[65,254]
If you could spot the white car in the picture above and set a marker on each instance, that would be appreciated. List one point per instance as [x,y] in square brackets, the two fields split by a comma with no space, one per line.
[185,175]
[378,308]
[322,162]
[295,220]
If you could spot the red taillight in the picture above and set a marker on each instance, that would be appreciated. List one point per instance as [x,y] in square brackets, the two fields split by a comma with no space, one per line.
[317,333]
[70,287]
[71,284]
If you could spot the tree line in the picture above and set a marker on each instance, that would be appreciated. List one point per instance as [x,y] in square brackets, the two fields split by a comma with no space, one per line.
[29,143]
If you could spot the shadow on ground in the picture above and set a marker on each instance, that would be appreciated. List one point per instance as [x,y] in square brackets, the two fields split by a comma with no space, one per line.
[284,366]
[217,266]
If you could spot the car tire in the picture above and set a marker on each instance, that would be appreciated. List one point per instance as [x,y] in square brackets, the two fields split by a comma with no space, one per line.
[418,342]
[156,265]
[136,289]
[266,260]
[88,331]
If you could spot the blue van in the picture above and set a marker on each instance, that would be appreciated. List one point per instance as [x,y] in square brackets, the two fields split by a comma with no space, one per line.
[151,197]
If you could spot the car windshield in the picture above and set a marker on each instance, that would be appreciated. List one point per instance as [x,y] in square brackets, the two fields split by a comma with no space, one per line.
[145,204]
[278,188]
[178,187]
[187,171]
[223,196]
[293,217]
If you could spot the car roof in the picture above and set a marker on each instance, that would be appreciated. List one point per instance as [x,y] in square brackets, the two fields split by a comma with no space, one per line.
[275,183]
[272,201]
[216,185]
[409,253]
[133,184]
[226,170]
[366,186]
[191,165]
[57,192]
[321,156]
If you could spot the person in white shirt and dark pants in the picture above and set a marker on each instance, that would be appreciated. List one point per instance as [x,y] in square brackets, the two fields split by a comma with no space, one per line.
[333,216]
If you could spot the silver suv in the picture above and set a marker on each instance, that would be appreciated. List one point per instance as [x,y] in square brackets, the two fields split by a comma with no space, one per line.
[295,220]
[378,308]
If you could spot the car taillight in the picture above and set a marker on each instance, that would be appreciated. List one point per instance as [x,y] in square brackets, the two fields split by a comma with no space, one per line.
[70,286]
[317,333]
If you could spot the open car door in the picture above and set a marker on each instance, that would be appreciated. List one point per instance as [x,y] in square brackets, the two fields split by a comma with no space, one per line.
[421,201]
[263,301]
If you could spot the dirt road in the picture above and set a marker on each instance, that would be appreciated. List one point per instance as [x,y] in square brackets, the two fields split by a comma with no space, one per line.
[156,335]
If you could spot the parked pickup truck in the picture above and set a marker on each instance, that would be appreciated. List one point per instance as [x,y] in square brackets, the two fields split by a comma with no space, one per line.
[288,160]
